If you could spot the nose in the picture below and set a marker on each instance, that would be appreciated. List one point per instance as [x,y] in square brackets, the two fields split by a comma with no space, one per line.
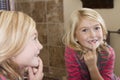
[92,33]
[40,46]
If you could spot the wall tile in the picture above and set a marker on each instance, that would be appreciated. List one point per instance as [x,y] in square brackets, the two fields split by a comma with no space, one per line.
[54,3]
[44,54]
[55,34]
[42,33]
[54,14]
[24,7]
[39,11]
[57,72]
[56,56]
[23,0]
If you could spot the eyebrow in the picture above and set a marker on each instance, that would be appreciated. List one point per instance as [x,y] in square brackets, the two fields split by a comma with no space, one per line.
[91,26]
[96,24]
[87,27]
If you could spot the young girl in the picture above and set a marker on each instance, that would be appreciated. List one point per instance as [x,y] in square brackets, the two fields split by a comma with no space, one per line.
[19,47]
[87,55]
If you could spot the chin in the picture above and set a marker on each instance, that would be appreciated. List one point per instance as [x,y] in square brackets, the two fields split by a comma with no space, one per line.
[34,64]
[89,48]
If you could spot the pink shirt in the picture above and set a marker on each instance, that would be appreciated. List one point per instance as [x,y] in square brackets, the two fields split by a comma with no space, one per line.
[2,77]
[77,69]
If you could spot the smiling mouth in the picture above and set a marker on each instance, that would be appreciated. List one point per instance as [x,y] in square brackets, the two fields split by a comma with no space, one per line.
[92,41]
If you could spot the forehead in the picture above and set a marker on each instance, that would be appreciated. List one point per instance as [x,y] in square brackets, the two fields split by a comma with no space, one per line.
[87,22]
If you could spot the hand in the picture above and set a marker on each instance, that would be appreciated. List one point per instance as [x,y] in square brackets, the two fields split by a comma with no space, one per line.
[36,73]
[91,58]
[91,62]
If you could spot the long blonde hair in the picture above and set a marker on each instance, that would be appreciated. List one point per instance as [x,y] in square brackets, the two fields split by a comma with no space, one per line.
[76,17]
[15,28]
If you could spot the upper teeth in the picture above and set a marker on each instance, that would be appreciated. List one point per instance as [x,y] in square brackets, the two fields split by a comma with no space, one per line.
[92,41]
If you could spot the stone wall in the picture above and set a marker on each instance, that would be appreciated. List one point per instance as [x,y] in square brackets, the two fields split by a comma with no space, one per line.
[48,15]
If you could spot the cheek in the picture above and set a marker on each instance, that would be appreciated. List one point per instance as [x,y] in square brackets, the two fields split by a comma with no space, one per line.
[100,35]
[22,59]
[82,38]
[25,57]
[29,60]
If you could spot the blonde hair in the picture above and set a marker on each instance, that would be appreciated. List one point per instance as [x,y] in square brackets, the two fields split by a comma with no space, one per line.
[15,29]
[76,17]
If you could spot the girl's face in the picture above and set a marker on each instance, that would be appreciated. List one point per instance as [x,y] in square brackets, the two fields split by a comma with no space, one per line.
[29,55]
[89,33]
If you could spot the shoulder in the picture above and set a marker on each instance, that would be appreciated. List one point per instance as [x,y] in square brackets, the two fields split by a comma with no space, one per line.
[108,50]
[70,53]
[111,52]
[107,53]
[69,50]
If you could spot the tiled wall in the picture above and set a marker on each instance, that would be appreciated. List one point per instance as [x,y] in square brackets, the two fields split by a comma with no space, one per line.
[48,15]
